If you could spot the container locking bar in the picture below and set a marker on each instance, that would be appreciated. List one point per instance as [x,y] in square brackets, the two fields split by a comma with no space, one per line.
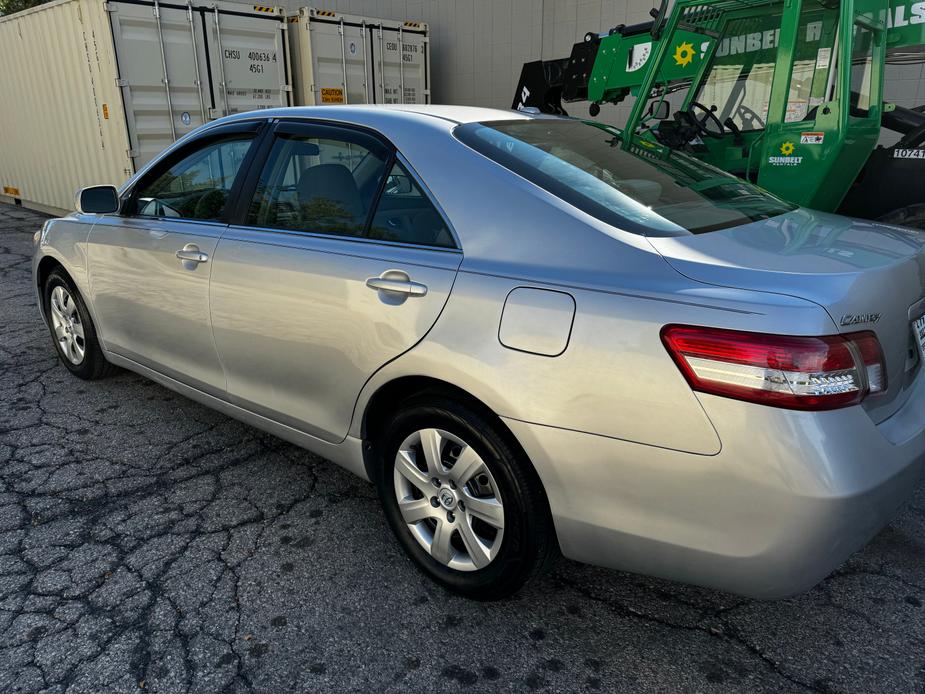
[192,33]
[160,39]
[221,60]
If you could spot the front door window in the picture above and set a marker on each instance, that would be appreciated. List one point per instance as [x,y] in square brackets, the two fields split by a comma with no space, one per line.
[197,185]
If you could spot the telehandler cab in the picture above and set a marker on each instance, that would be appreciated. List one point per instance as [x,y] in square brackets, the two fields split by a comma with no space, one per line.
[787,94]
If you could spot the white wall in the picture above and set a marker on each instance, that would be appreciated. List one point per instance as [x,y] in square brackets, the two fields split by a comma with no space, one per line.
[903,85]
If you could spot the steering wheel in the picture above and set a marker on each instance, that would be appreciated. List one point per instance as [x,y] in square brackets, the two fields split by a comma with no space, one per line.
[708,118]
[750,119]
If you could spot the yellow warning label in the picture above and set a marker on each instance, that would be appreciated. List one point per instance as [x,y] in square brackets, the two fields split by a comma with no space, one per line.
[325,13]
[11,190]
[105,111]
[332,96]
[264,8]
[413,25]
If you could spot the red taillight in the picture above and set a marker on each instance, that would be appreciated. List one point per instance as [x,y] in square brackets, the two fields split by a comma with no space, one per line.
[805,373]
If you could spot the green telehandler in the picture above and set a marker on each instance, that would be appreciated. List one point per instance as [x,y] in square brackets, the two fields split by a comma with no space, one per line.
[785,93]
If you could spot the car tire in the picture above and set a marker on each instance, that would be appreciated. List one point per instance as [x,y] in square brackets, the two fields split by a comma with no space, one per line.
[496,474]
[72,329]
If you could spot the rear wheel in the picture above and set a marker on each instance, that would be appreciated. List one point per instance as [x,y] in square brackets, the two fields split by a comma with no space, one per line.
[72,330]
[463,504]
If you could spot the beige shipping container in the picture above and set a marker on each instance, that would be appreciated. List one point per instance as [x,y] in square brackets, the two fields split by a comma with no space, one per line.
[92,90]
[61,110]
[348,59]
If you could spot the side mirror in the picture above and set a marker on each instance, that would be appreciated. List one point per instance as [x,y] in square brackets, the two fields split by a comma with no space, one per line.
[659,110]
[398,185]
[98,200]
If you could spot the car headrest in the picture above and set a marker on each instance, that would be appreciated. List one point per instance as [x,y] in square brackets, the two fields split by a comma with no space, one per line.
[330,182]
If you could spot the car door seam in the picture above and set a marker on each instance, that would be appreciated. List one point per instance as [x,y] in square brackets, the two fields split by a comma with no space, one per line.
[100,332]
[436,320]
[218,353]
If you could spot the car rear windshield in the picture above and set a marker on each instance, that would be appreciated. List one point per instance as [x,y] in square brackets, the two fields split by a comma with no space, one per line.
[659,193]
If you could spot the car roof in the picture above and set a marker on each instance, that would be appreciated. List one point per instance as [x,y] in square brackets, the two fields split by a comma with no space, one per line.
[392,112]
[460,114]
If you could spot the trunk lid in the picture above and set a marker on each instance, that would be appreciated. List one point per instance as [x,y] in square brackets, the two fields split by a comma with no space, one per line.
[866,275]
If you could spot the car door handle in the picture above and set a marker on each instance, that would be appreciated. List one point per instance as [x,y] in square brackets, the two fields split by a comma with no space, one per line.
[190,252]
[397,286]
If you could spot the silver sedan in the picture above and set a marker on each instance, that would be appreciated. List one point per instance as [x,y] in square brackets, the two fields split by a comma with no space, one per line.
[528,337]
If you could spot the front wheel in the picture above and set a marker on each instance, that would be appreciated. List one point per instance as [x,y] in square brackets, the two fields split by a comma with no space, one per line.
[465,506]
[72,329]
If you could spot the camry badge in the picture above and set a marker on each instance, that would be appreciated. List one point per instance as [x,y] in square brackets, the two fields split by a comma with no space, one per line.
[856,318]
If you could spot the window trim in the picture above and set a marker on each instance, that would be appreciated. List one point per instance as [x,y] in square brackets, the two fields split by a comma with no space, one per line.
[129,198]
[245,195]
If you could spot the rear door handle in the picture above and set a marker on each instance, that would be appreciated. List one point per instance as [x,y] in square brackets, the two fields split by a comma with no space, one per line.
[191,253]
[393,281]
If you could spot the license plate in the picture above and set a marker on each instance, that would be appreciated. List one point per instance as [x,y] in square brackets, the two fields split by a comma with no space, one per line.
[918,327]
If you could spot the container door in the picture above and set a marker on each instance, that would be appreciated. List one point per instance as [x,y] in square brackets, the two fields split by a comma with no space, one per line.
[248,61]
[340,60]
[161,65]
[401,65]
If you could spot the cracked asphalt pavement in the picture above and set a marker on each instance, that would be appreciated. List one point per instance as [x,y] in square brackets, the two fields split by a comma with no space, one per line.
[147,542]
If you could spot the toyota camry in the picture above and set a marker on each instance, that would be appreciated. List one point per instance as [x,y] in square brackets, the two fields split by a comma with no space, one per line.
[529,337]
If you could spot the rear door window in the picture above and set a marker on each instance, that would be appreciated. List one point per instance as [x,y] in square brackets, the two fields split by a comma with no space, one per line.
[404,214]
[319,179]
[331,180]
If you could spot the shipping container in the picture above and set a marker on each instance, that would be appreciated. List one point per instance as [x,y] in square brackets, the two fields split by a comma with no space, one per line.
[347,59]
[92,90]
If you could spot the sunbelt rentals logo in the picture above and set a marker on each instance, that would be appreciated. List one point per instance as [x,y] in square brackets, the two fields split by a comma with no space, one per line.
[787,159]
[684,54]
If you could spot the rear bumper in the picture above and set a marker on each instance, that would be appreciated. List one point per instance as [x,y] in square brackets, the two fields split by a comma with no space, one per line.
[788,498]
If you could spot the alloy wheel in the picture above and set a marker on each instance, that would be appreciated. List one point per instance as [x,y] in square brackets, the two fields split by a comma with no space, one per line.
[449,499]
[65,320]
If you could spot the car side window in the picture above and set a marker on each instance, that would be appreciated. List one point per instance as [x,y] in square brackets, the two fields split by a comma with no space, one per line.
[404,214]
[318,182]
[198,184]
